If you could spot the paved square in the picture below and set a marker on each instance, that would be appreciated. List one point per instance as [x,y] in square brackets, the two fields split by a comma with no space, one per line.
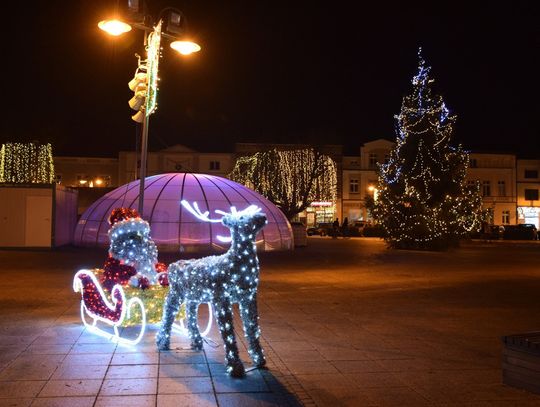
[345,322]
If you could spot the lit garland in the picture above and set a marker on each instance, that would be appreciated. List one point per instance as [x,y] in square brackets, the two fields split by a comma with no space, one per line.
[290,179]
[222,280]
[26,163]
[423,199]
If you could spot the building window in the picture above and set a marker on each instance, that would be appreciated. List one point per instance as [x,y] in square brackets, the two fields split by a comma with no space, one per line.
[531,195]
[502,188]
[505,217]
[354,162]
[471,183]
[486,188]
[353,186]
[214,165]
[372,160]
[531,173]
[473,163]
[58,178]
[386,158]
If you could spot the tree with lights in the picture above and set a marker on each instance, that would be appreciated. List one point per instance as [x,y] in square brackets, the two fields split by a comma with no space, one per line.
[424,201]
[26,163]
[291,179]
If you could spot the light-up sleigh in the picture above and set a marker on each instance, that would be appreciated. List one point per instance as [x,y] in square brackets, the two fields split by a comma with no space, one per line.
[130,289]
[108,315]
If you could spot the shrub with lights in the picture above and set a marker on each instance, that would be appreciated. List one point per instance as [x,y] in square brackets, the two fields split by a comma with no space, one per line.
[423,199]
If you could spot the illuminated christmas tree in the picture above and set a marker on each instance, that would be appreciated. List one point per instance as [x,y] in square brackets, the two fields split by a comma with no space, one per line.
[291,179]
[26,163]
[423,200]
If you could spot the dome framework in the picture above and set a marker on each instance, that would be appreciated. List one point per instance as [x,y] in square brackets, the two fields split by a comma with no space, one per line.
[173,228]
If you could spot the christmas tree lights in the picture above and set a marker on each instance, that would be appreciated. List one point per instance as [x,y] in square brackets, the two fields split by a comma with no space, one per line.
[222,280]
[423,199]
[290,179]
[26,163]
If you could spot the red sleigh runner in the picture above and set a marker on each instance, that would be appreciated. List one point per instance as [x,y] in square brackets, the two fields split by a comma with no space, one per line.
[96,306]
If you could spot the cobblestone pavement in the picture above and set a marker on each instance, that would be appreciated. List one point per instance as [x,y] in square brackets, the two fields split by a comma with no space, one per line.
[345,322]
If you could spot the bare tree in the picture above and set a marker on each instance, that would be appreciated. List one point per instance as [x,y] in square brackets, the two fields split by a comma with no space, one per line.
[291,179]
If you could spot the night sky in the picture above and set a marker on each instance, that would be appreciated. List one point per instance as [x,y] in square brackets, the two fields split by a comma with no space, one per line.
[280,71]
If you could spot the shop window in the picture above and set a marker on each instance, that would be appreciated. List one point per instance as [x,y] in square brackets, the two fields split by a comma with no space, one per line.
[486,188]
[531,173]
[215,165]
[372,160]
[531,195]
[505,217]
[502,188]
[353,186]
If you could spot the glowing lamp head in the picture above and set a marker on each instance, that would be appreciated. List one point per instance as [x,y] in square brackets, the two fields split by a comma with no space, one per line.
[185,47]
[371,188]
[114,27]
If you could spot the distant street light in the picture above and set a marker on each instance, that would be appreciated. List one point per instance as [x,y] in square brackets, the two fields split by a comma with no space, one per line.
[374,191]
[171,25]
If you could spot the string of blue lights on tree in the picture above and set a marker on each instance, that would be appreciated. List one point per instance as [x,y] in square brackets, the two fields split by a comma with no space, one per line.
[424,201]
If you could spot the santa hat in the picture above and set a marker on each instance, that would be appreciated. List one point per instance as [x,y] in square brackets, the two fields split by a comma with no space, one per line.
[120,214]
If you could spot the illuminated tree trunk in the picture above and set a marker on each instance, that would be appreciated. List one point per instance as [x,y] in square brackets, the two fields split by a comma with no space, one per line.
[290,179]
[423,199]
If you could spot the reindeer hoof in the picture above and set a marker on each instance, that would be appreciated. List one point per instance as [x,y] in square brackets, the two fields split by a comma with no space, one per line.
[236,369]
[163,342]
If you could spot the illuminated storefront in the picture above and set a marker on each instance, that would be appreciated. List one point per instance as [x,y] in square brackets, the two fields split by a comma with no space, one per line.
[529,214]
[318,212]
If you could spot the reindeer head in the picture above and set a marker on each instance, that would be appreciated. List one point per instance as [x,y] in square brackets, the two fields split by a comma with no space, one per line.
[247,222]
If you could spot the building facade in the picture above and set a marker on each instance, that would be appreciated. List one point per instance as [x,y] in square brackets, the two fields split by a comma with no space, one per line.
[496,174]
[528,186]
[177,158]
[360,178]
[509,186]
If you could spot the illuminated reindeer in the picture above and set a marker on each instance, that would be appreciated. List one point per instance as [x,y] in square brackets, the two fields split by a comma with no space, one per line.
[222,280]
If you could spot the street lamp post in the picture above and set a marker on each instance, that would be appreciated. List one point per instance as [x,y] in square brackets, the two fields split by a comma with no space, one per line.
[170,25]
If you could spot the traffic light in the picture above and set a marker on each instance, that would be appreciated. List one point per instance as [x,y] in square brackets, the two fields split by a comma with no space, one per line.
[139,86]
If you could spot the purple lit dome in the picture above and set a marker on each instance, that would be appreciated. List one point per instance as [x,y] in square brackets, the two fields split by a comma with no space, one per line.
[173,228]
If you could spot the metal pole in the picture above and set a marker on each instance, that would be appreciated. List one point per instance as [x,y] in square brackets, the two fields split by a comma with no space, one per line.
[144,149]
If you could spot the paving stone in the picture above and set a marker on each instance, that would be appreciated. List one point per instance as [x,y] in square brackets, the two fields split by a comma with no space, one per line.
[132,372]
[122,387]
[187,400]
[184,385]
[126,401]
[135,358]
[175,357]
[184,370]
[64,402]
[72,372]
[20,389]
[78,387]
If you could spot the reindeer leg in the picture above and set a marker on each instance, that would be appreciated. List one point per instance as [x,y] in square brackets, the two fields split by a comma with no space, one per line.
[224,319]
[170,309]
[252,332]
[193,325]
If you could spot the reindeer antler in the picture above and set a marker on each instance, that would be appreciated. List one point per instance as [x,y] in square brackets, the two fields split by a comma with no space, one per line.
[195,211]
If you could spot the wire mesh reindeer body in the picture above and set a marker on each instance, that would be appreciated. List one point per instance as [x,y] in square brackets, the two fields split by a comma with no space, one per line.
[232,277]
